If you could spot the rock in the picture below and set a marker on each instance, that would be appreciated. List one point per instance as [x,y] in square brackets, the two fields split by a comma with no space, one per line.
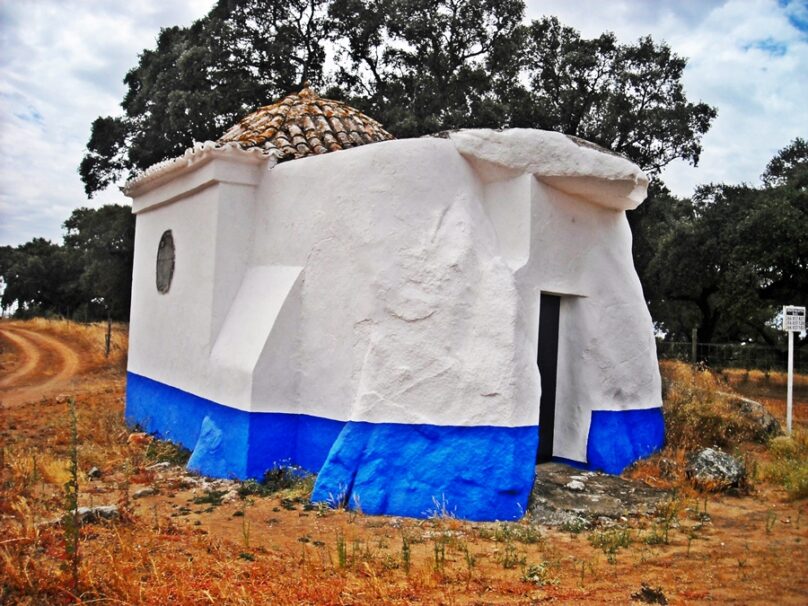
[769,427]
[144,492]
[712,469]
[160,465]
[94,473]
[650,595]
[230,496]
[565,496]
[89,515]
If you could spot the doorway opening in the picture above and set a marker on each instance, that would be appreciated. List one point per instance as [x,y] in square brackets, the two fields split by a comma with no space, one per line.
[550,306]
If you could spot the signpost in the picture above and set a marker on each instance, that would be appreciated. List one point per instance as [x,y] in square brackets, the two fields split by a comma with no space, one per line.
[793,321]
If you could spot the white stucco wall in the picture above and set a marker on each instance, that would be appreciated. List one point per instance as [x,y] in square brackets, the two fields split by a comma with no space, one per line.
[400,282]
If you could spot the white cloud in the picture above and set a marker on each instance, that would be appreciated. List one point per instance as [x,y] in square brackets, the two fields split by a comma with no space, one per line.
[62,65]
[745,57]
[63,62]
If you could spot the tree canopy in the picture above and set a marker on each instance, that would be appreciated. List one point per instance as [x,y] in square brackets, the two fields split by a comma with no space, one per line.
[418,66]
[87,277]
[727,260]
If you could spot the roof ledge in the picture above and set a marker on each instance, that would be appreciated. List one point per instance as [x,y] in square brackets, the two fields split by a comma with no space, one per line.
[180,177]
[569,164]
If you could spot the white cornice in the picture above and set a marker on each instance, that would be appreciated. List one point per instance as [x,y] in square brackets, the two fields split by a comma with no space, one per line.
[193,158]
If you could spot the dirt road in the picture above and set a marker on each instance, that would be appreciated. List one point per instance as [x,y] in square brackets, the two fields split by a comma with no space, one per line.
[40,365]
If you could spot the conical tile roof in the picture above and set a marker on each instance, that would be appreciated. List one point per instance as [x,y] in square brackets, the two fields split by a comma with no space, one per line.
[304,124]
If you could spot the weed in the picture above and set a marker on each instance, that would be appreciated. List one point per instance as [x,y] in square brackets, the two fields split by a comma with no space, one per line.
[439,551]
[356,510]
[71,519]
[574,525]
[250,488]
[539,574]
[771,518]
[668,514]
[166,451]
[405,553]
[789,464]
[211,497]
[342,551]
[245,527]
[654,537]
[510,557]
[470,558]
[610,541]
[505,532]
[440,509]
[282,477]
[696,415]
[584,565]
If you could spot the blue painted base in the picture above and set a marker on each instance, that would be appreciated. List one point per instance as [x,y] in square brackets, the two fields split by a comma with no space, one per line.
[475,473]
[227,442]
[618,438]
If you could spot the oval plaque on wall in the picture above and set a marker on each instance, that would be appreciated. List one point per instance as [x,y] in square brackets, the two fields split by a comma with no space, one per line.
[165,262]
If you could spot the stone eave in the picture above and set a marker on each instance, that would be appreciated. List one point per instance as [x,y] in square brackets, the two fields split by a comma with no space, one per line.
[192,160]
[568,164]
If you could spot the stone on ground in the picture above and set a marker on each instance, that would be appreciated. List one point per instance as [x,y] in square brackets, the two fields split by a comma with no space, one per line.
[563,495]
[712,469]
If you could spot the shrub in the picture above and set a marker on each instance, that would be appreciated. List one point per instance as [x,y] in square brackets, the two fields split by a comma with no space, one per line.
[696,415]
[789,463]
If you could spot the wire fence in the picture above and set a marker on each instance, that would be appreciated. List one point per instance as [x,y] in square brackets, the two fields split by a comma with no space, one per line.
[732,355]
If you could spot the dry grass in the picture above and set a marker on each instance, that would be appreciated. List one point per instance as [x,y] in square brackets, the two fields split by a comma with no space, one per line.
[271,549]
[771,378]
[700,411]
[788,465]
[90,338]
[697,415]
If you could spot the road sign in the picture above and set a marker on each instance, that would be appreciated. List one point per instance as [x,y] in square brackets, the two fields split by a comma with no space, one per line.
[793,318]
[793,321]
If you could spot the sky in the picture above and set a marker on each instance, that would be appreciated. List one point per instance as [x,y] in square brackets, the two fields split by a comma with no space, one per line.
[62,64]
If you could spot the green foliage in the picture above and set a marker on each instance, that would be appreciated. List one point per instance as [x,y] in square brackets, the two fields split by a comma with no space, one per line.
[574,525]
[167,451]
[505,532]
[342,550]
[611,541]
[789,167]
[421,66]
[213,498]
[406,554]
[418,66]
[282,477]
[40,278]
[87,278]
[539,574]
[789,463]
[200,79]
[727,260]
[104,239]
[626,97]
[71,519]
[695,418]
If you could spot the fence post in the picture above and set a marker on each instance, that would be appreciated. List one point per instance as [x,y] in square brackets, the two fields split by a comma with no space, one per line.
[694,338]
[108,336]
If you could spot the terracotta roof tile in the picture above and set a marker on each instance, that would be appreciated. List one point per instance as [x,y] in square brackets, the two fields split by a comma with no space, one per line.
[304,124]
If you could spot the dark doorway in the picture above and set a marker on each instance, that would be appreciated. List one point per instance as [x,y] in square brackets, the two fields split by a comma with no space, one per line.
[548,366]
